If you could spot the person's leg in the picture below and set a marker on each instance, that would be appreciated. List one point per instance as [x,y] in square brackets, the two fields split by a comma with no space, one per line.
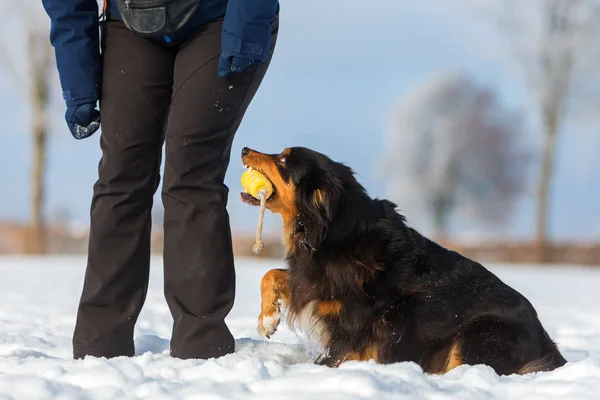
[136,92]
[198,258]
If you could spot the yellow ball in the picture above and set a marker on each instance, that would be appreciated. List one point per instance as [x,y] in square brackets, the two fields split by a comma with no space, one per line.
[256,184]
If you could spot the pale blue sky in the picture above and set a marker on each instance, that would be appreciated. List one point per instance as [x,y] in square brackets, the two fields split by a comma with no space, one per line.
[339,67]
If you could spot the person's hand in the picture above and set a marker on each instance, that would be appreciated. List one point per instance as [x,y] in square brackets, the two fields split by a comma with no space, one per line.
[83,120]
[233,64]
[235,57]
[246,34]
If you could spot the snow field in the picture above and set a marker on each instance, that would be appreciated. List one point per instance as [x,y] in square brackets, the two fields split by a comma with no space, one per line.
[38,301]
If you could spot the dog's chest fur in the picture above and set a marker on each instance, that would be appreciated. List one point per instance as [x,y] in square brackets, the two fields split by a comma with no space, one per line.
[309,287]
[325,295]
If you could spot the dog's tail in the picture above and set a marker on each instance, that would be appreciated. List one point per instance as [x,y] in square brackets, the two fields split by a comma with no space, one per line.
[548,362]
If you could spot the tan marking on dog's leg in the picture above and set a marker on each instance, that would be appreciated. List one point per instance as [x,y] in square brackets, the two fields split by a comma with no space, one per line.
[274,289]
[329,308]
[454,357]
[370,352]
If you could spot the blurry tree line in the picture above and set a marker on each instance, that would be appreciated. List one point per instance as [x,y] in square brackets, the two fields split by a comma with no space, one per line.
[453,150]
[28,58]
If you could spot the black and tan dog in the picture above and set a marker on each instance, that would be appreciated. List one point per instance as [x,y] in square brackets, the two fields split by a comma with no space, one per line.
[364,285]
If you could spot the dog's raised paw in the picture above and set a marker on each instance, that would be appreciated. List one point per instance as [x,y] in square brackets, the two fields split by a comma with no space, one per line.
[267,325]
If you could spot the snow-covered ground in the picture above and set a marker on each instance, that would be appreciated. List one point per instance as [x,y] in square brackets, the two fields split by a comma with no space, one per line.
[38,298]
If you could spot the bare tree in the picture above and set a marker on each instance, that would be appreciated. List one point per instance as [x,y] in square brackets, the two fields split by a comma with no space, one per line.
[40,59]
[34,70]
[557,68]
[555,44]
[451,149]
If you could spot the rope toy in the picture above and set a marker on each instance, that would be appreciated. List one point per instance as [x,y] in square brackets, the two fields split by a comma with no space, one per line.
[256,184]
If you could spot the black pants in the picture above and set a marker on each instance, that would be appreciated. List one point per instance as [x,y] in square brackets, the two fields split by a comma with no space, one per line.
[153,94]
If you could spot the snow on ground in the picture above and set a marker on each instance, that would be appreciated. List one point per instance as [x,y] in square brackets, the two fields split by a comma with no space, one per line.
[38,299]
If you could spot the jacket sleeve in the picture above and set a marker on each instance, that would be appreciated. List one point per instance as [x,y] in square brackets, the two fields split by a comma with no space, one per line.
[247,28]
[74,33]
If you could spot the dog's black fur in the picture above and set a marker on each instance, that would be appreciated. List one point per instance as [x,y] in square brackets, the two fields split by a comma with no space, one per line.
[401,296]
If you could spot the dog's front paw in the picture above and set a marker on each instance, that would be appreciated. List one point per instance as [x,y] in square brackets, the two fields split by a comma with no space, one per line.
[267,325]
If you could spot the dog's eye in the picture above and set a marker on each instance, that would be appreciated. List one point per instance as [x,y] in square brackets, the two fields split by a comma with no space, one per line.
[282,159]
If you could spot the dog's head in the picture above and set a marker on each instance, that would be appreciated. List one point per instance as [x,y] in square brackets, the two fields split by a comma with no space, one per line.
[309,190]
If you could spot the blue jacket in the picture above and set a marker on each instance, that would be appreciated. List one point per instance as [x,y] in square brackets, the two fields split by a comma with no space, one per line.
[74,33]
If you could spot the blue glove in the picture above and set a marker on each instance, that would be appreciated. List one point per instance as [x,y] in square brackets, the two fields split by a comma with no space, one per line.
[233,64]
[83,120]
[236,61]
[246,34]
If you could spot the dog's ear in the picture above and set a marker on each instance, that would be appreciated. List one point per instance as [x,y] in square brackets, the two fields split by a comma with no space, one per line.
[318,197]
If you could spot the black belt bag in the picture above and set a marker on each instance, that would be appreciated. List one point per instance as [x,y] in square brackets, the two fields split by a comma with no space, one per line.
[157,17]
